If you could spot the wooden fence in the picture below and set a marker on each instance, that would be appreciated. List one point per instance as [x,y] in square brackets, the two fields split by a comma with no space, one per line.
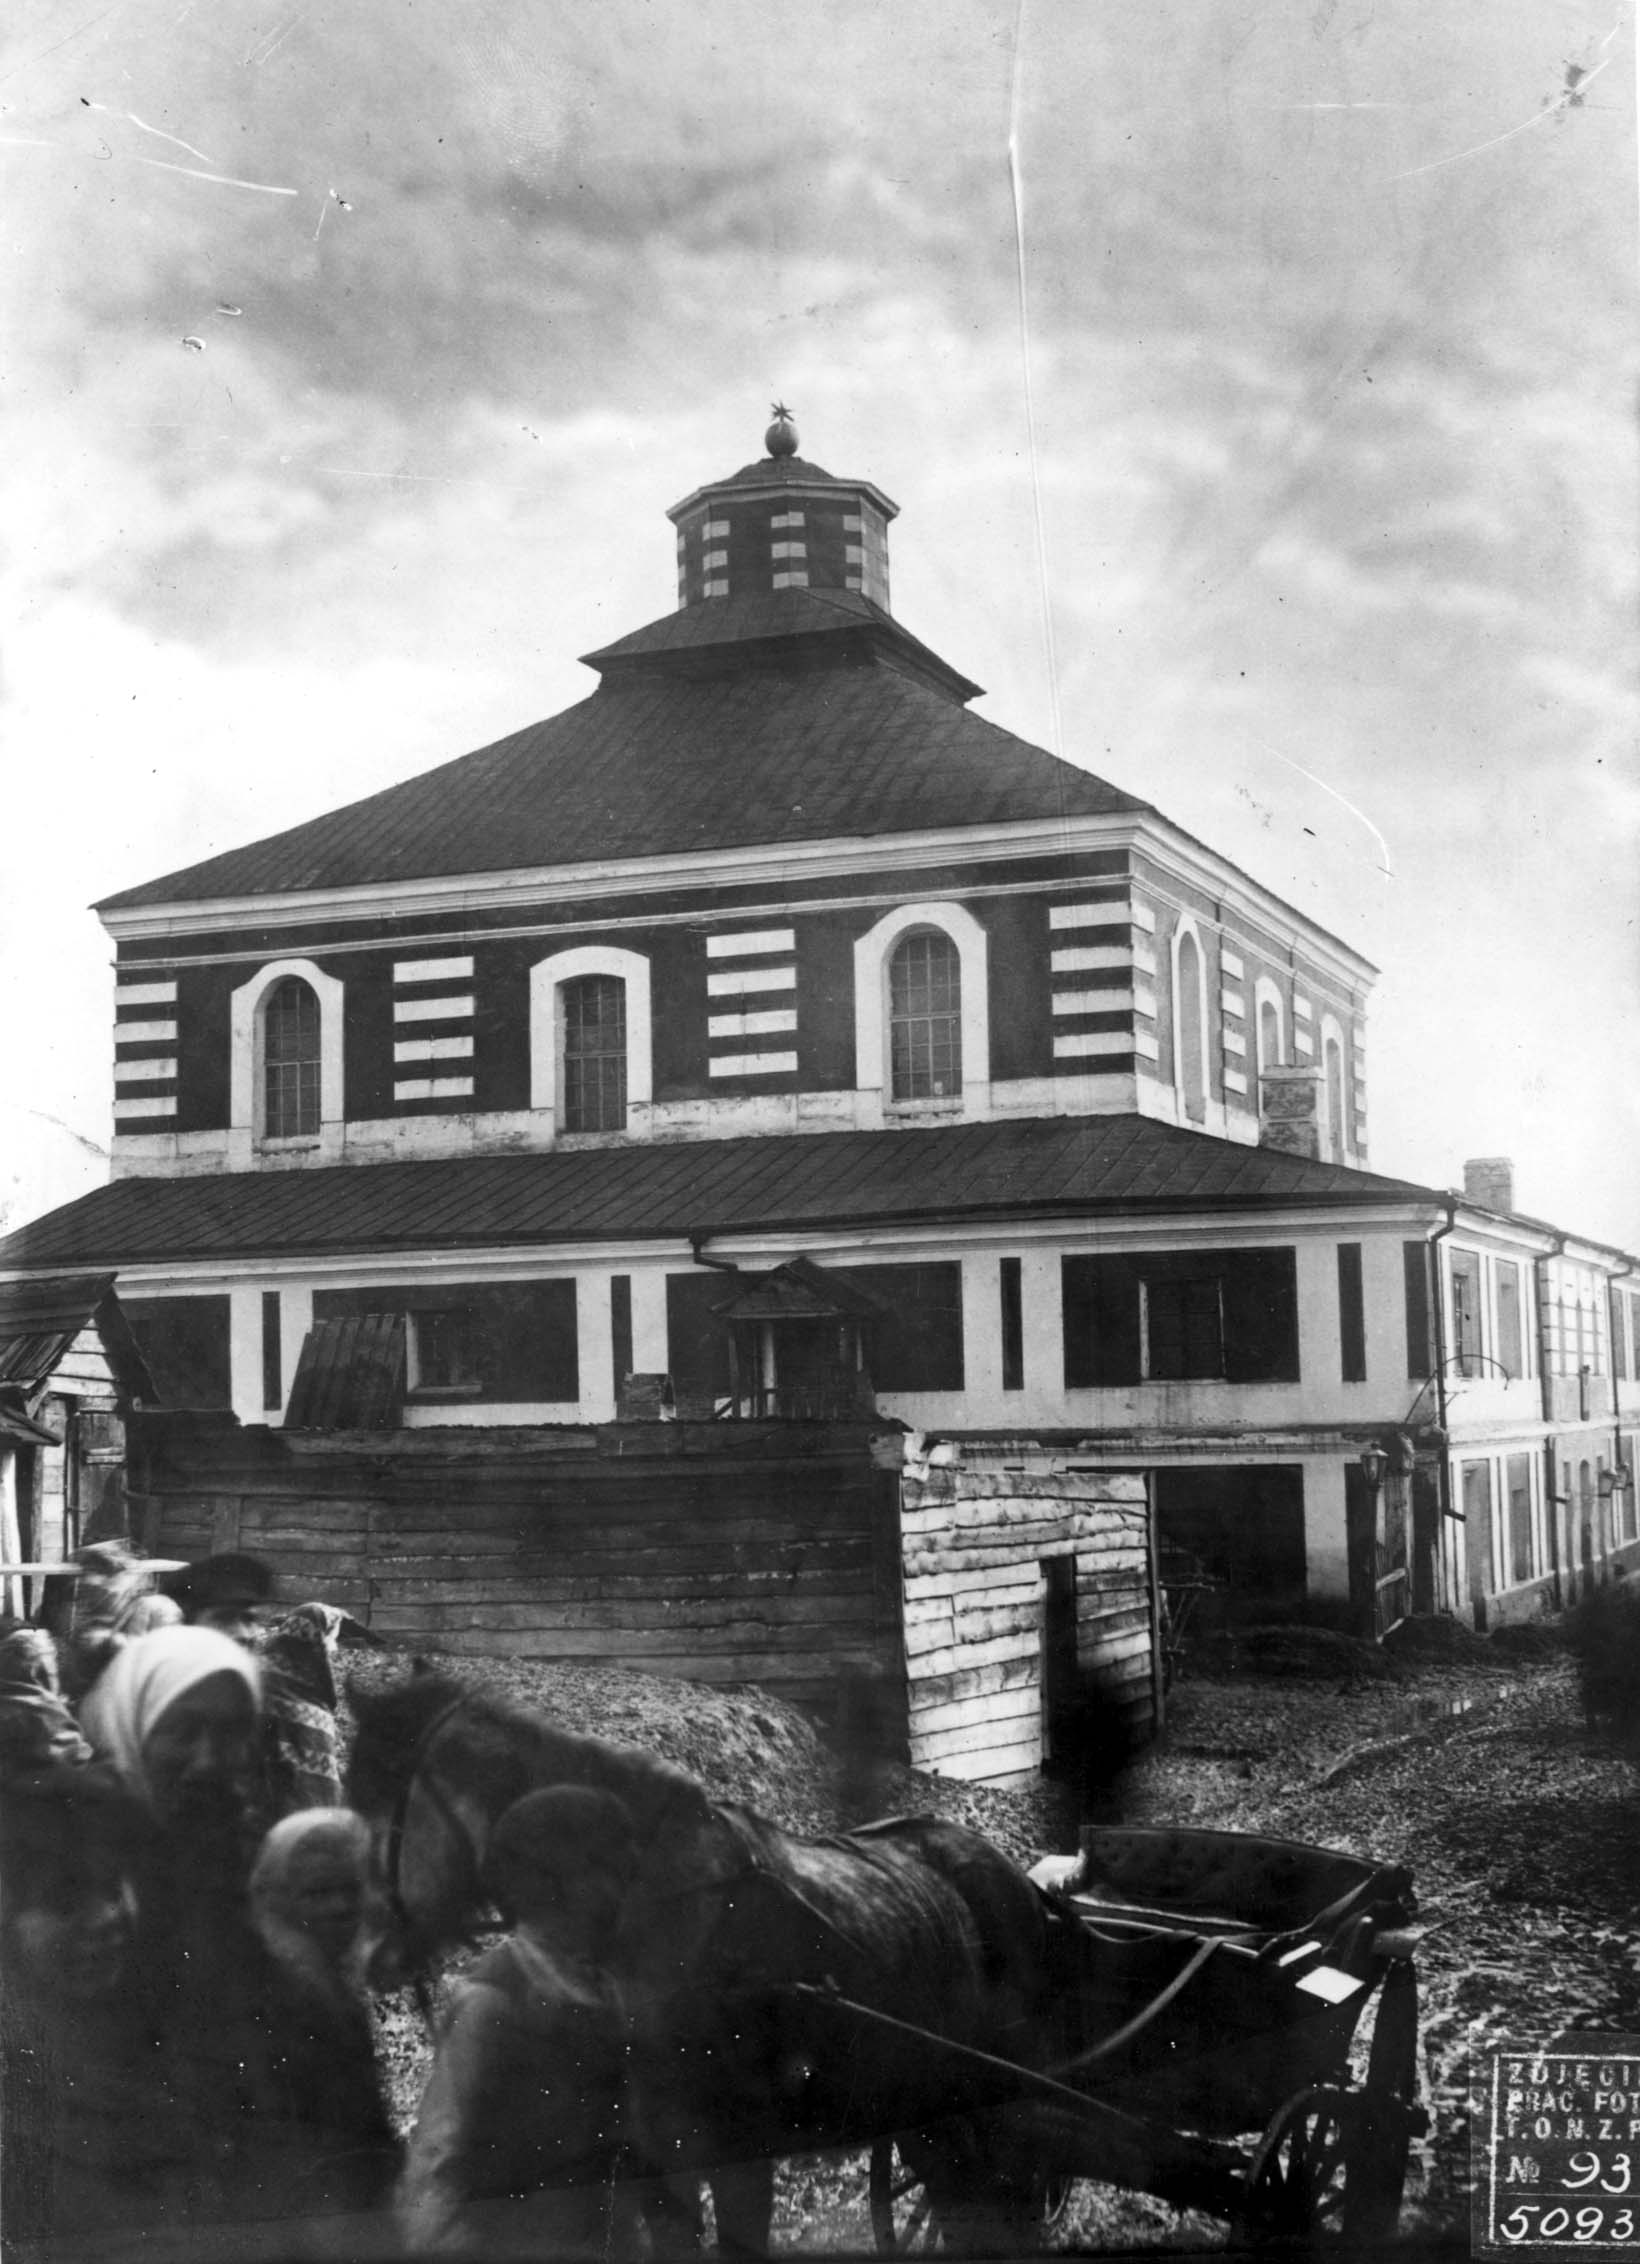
[723,1552]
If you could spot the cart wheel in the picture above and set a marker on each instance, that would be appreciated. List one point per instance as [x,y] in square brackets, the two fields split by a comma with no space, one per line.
[1301,2181]
[1389,2108]
[903,2222]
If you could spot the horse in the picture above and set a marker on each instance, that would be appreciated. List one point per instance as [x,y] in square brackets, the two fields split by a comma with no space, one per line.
[743,1953]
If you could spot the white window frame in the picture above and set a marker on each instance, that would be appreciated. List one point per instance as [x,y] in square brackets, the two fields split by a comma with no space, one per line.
[872,953]
[547,978]
[248,1085]
[1186,926]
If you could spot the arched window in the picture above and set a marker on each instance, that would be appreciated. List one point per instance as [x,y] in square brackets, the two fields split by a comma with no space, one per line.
[290,1061]
[1189,1028]
[925,1017]
[1334,1063]
[1269,1034]
[593,1008]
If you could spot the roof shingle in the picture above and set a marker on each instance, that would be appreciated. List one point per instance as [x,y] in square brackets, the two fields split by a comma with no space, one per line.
[801,1182]
[656,765]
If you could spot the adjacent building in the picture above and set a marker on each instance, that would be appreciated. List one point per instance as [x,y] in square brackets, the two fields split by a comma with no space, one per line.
[770,1045]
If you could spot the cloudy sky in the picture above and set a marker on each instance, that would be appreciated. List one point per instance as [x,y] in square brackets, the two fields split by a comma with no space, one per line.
[1265,436]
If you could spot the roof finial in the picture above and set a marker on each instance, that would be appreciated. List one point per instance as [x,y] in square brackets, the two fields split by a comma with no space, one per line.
[781,437]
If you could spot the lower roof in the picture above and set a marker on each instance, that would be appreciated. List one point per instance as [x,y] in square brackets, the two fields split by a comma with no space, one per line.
[955,1173]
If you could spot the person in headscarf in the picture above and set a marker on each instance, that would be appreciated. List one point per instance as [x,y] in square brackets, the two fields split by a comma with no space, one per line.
[85,2139]
[519,2140]
[37,1730]
[301,1743]
[115,1600]
[324,2132]
[177,1715]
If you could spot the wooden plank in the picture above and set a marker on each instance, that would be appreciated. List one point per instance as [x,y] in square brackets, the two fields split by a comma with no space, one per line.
[1023,1574]
[929,1691]
[952,1656]
[982,1715]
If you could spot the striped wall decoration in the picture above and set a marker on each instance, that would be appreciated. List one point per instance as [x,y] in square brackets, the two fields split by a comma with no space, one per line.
[1303,1029]
[1102,966]
[145,1052]
[751,1003]
[433,1007]
[1233,1022]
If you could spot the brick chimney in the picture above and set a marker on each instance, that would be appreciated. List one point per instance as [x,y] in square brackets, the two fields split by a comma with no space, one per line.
[1490,1181]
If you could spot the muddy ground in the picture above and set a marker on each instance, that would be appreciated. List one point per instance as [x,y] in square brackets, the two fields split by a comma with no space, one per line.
[1522,1830]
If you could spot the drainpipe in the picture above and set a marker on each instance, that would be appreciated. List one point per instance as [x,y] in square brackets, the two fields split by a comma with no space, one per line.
[1613,1327]
[1438,1308]
[1546,1394]
[697,1252]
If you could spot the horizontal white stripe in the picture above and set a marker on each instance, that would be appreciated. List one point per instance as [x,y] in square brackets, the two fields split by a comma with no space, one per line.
[1303,1042]
[433,970]
[1301,1007]
[1080,957]
[1146,1047]
[144,1033]
[752,1064]
[1229,964]
[751,1025]
[147,1104]
[1093,1002]
[743,941]
[1110,912]
[733,981]
[716,558]
[1234,1042]
[717,589]
[788,550]
[1233,1001]
[433,1049]
[142,1072]
[433,1089]
[787,519]
[798,581]
[715,530]
[1069,1042]
[458,1007]
[1144,959]
[1144,918]
[1234,1081]
[144,994]
[1144,1001]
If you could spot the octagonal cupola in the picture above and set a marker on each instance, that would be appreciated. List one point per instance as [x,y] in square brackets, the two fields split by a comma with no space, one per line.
[780,524]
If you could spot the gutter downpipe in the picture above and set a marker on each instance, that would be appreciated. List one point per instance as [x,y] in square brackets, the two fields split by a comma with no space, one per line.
[1613,1334]
[1438,1310]
[1546,1394]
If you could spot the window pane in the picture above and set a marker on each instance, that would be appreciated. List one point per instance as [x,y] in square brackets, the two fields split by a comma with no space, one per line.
[594,1008]
[1518,1471]
[1466,1312]
[925,1018]
[1509,1318]
[290,1057]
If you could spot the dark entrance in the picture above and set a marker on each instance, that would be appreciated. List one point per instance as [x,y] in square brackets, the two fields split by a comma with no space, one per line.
[1060,1685]
[1244,1525]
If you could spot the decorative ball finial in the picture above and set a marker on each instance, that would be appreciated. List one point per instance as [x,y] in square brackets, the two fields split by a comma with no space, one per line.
[781,437]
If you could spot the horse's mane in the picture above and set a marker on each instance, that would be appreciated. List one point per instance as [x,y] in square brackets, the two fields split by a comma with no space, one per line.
[393,1724]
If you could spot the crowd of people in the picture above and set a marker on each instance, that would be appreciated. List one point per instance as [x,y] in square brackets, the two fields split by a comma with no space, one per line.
[186,1918]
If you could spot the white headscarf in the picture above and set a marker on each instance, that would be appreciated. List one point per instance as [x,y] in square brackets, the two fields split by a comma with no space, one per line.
[146,1678]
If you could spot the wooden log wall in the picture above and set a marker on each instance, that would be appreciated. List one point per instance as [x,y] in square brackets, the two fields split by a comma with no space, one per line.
[722,1552]
[973,1544]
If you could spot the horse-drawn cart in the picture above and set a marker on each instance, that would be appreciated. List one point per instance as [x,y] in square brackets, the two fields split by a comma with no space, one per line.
[1215,2050]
